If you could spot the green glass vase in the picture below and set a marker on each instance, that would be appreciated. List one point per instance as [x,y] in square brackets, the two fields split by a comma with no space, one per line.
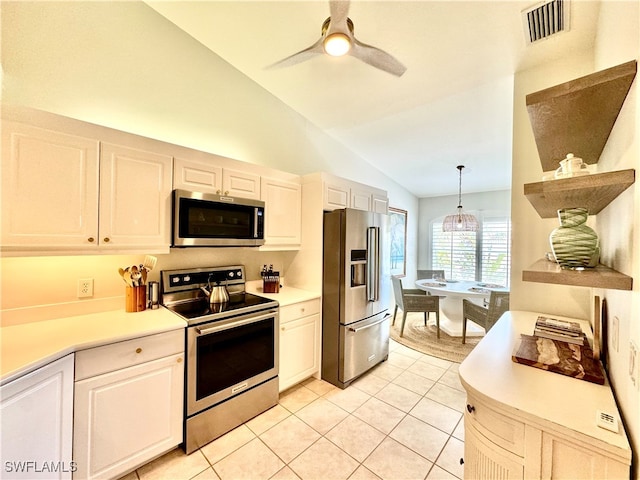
[574,244]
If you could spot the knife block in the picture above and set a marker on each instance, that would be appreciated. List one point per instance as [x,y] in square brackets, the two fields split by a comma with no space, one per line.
[271,282]
[135,299]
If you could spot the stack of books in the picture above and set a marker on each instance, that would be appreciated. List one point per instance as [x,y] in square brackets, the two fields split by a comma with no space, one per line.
[562,330]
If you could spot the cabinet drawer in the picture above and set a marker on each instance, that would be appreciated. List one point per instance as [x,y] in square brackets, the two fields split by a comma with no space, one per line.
[299,310]
[98,360]
[503,431]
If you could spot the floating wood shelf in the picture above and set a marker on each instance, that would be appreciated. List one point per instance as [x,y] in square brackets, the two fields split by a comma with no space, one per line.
[544,271]
[577,116]
[593,192]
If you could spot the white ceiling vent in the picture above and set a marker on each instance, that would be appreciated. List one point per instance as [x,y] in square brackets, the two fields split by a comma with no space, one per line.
[545,19]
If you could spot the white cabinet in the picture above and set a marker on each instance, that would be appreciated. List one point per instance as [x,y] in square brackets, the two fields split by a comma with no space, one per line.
[336,195]
[37,422]
[207,176]
[299,342]
[379,203]
[128,404]
[49,188]
[283,217]
[63,193]
[341,193]
[236,183]
[135,198]
[525,422]
[361,199]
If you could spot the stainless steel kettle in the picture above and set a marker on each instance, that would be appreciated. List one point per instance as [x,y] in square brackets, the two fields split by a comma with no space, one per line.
[217,294]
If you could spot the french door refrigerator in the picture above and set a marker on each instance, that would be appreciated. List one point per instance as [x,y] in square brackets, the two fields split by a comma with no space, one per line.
[355,291]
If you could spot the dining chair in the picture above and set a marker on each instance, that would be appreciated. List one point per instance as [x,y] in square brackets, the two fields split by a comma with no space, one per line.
[487,316]
[425,274]
[414,300]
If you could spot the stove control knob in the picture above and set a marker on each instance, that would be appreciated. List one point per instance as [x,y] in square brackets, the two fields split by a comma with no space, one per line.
[230,274]
[187,278]
[239,273]
[175,279]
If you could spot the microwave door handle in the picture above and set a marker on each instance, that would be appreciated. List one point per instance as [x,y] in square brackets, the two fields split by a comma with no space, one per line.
[255,222]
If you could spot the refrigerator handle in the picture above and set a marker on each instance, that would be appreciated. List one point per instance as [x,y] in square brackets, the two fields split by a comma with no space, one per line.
[373,264]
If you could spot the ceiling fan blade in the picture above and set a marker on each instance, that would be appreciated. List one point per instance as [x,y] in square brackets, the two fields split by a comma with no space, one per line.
[377,58]
[300,56]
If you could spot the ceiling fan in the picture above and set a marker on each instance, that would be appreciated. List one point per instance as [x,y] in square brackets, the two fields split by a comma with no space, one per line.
[337,39]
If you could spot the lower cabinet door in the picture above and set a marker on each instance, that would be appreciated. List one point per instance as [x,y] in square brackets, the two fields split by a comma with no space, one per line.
[299,350]
[37,416]
[125,418]
[563,459]
[484,460]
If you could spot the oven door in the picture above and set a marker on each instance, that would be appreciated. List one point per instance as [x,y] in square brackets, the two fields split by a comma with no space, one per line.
[227,357]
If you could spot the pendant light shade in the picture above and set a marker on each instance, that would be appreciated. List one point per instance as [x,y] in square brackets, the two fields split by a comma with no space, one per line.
[460,221]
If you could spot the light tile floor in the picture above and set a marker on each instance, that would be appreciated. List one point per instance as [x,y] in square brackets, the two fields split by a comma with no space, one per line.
[402,420]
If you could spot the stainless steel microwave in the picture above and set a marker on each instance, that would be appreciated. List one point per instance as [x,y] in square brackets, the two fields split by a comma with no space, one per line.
[208,220]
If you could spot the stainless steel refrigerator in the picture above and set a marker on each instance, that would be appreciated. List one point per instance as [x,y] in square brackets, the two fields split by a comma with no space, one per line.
[355,290]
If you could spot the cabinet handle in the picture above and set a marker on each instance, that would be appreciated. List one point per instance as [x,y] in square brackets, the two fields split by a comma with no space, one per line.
[179,359]
[218,192]
[462,461]
[138,350]
[282,328]
[470,408]
[91,239]
[106,240]
[226,192]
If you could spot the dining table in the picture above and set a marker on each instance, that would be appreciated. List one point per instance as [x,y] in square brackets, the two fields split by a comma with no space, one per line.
[451,293]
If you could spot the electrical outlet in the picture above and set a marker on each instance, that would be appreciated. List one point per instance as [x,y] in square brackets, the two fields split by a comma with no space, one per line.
[634,362]
[615,332]
[85,287]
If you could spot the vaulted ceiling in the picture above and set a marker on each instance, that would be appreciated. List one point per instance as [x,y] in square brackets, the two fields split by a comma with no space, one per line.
[453,105]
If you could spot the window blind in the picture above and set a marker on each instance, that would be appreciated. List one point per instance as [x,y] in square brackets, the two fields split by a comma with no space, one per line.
[481,256]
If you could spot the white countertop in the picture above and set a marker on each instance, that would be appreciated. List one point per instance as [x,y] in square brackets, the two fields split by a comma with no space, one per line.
[28,346]
[286,296]
[556,402]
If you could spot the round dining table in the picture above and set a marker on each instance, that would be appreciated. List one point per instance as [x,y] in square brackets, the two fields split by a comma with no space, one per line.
[451,293]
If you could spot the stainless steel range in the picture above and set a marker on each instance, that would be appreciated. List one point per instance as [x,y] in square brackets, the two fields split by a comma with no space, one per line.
[231,350]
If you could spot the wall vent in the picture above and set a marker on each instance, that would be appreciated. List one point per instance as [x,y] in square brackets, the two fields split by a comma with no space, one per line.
[545,19]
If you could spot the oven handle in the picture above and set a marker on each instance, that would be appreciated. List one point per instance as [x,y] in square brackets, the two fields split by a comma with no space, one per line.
[238,323]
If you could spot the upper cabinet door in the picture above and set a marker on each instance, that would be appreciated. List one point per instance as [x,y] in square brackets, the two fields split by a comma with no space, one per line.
[380,203]
[240,184]
[283,217]
[135,198]
[361,199]
[197,176]
[49,188]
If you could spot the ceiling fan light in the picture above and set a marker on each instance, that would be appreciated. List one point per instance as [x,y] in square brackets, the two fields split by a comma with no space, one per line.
[337,44]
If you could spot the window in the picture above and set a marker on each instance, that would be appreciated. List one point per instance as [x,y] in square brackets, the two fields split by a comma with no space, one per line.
[482,256]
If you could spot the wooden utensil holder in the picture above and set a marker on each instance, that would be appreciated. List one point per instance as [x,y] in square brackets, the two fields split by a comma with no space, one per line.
[135,299]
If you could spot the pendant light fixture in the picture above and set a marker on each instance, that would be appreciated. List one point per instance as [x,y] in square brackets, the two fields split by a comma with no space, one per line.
[460,222]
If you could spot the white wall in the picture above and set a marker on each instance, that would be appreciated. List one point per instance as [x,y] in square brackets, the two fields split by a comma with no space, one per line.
[122,65]
[618,41]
